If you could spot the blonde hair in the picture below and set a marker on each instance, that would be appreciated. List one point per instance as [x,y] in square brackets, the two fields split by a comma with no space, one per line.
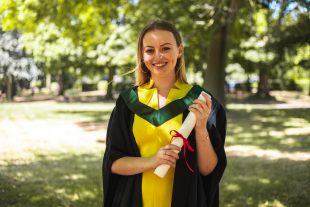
[143,75]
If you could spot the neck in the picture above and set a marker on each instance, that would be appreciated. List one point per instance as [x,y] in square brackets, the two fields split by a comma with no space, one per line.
[164,85]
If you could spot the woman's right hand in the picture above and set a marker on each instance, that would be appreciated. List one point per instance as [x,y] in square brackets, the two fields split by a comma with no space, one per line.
[167,154]
[134,165]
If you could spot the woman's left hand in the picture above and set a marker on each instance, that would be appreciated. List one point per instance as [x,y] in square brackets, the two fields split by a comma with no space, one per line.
[201,111]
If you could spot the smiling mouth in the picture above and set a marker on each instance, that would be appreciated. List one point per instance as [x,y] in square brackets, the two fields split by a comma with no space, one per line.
[159,65]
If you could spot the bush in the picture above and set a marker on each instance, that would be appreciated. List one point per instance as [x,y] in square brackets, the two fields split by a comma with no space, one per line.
[89,86]
[293,86]
[276,85]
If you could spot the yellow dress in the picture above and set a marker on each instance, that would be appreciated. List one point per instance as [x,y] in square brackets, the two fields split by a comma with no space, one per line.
[156,191]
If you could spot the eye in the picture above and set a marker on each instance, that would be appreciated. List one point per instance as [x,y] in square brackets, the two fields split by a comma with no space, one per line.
[149,51]
[166,49]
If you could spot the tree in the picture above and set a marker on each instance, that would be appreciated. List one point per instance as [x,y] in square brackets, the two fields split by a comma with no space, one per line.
[55,53]
[281,17]
[14,63]
[116,54]
[66,31]
[271,34]
[218,49]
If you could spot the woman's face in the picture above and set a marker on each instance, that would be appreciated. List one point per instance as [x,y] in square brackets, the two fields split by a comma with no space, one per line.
[160,53]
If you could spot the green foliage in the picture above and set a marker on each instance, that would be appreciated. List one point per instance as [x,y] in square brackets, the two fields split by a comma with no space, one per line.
[86,22]
[97,36]
[69,34]
[117,50]
[270,39]
[13,60]
[48,46]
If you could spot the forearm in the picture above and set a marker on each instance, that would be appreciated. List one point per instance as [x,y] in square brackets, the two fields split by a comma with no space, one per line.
[206,156]
[132,165]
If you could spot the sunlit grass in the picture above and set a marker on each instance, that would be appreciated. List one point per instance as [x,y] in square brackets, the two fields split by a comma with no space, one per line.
[269,128]
[51,173]
[252,181]
[50,110]
[268,156]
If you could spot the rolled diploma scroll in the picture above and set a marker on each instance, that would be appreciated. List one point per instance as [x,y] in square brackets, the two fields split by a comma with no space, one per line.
[186,128]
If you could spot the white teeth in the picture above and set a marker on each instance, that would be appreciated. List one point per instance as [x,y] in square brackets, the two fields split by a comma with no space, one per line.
[160,64]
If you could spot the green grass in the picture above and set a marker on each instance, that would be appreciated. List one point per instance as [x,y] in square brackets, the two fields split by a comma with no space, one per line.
[269,128]
[69,179]
[72,178]
[269,180]
[97,112]
[251,181]
[53,177]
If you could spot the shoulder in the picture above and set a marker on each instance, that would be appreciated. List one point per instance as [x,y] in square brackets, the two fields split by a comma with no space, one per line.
[127,92]
[127,96]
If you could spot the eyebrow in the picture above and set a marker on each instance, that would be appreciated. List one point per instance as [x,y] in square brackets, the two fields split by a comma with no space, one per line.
[160,45]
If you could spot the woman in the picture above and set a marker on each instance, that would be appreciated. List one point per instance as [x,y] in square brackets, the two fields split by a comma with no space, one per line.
[138,136]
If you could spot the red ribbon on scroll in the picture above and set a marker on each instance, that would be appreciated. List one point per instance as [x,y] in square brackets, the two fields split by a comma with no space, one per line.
[186,146]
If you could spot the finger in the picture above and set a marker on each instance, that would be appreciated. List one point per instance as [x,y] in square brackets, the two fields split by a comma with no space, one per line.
[197,101]
[206,96]
[200,114]
[194,110]
[202,104]
[198,108]
[172,147]
[172,154]
[208,100]
[167,159]
[168,162]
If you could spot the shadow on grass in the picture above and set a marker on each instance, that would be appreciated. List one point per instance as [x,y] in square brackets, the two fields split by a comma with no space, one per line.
[258,181]
[281,129]
[75,180]
[252,181]
[63,180]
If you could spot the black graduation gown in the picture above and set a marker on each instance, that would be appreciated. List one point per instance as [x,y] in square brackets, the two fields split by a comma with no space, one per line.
[189,189]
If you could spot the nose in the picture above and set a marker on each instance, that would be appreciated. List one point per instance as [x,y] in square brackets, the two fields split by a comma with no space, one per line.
[158,55]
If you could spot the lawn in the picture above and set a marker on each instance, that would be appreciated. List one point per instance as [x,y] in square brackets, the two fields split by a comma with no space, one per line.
[52,155]
[268,157]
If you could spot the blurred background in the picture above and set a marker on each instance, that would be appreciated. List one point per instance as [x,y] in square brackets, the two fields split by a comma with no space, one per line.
[64,62]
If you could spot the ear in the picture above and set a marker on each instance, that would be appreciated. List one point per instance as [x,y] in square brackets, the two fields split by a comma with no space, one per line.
[180,50]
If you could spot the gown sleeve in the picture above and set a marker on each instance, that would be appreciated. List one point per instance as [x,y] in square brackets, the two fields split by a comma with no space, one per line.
[195,189]
[217,133]
[117,189]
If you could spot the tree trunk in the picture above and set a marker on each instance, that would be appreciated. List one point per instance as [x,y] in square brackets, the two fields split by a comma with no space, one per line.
[215,75]
[263,86]
[309,88]
[48,82]
[61,89]
[109,94]
[248,84]
[214,79]
[9,87]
